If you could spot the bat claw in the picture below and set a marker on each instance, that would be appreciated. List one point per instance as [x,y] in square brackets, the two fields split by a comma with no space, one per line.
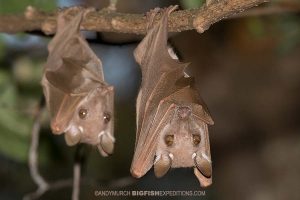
[162,165]
[203,164]
[106,144]
[72,138]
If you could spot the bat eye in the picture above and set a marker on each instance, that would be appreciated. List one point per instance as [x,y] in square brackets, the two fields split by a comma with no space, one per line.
[106,118]
[196,139]
[82,113]
[169,139]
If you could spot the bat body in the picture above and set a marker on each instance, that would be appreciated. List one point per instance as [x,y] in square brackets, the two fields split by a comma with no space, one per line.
[172,119]
[80,102]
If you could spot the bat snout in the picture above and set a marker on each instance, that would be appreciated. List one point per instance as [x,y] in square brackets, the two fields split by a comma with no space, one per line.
[184,112]
[57,128]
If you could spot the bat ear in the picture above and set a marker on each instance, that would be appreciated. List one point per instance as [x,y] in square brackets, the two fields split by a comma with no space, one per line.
[202,113]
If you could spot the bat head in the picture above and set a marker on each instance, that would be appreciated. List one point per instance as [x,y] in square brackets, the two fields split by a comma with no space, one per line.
[182,143]
[92,121]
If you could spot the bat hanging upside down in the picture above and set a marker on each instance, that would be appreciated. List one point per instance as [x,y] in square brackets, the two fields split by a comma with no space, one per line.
[172,118]
[80,102]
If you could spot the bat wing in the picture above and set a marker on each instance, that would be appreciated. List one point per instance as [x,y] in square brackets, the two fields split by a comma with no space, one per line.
[143,159]
[65,31]
[73,78]
[166,85]
[71,72]
[146,143]
[154,59]
[68,42]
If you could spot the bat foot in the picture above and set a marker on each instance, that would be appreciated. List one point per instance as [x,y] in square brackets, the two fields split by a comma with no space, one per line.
[203,164]
[162,164]
[106,144]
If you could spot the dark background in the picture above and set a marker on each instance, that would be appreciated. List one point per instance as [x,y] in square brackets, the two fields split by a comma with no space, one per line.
[247,70]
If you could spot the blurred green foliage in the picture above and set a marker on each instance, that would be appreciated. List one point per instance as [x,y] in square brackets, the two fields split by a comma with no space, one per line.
[14,127]
[256,27]
[16,107]
[2,47]
[290,33]
[189,4]
[284,28]
[17,6]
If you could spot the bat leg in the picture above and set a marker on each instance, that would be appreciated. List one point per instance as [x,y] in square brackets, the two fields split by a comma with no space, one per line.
[106,144]
[203,164]
[162,164]
[72,136]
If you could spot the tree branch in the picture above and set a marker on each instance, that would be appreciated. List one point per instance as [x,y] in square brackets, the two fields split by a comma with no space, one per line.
[278,8]
[106,20]
[221,10]
[33,156]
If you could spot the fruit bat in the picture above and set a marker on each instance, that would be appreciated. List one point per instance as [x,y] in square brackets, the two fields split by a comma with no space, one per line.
[79,100]
[172,119]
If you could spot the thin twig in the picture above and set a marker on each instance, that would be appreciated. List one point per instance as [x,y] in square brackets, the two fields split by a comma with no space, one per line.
[105,21]
[112,5]
[33,156]
[78,162]
[279,8]
[76,181]
[220,10]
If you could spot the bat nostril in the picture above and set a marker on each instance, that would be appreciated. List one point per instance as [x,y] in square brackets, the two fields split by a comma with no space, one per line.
[56,128]
[184,112]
